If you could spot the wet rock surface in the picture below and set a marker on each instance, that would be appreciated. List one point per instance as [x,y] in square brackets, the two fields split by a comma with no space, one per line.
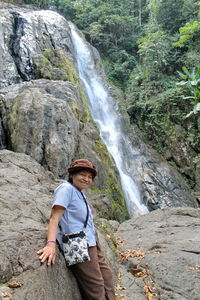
[160,184]
[24,34]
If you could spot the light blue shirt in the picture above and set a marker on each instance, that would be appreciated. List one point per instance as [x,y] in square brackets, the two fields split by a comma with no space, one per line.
[73,219]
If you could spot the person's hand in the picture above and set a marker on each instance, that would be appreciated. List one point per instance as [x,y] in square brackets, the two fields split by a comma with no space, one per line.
[48,253]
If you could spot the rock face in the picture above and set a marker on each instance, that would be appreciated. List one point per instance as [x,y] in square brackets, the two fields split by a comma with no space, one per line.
[25,200]
[160,184]
[41,123]
[171,132]
[166,257]
[24,35]
[48,119]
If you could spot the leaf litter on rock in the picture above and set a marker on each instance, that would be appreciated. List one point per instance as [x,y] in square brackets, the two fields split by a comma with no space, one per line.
[14,284]
[6,295]
[125,255]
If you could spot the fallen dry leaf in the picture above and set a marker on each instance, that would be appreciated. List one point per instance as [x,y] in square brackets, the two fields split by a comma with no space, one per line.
[119,276]
[148,292]
[119,243]
[148,288]
[6,296]
[14,284]
[119,297]
[141,274]
[195,268]
[118,287]
[125,255]
[149,296]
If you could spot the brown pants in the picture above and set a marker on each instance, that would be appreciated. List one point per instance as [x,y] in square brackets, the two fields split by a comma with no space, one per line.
[94,277]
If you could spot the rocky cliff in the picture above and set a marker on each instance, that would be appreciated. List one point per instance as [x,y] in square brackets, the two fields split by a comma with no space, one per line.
[45,118]
[45,123]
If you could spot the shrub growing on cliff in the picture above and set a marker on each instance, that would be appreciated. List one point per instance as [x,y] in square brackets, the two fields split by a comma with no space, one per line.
[192,81]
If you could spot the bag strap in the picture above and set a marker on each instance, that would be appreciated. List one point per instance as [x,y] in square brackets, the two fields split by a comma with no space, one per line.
[87,216]
[86,220]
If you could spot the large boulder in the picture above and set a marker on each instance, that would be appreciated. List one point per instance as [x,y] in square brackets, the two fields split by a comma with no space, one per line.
[160,252]
[26,195]
[39,120]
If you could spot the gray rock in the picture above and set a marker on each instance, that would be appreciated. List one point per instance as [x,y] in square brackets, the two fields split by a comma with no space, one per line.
[25,200]
[169,240]
[48,120]
[8,70]
[41,125]
[160,184]
[24,34]
[25,197]
[129,287]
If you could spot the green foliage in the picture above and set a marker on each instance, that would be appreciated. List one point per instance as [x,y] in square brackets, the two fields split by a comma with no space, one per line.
[195,111]
[154,48]
[190,58]
[121,67]
[156,115]
[38,3]
[188,33]
[145,83]
[113,27]
[172,14]
[192,81]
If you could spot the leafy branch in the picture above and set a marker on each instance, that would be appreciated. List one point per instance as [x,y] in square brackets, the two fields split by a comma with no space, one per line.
[192,81]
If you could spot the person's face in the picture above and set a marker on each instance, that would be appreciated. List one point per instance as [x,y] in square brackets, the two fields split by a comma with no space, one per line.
[82,180]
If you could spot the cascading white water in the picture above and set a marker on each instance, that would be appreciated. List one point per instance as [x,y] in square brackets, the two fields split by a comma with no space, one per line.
[104,112]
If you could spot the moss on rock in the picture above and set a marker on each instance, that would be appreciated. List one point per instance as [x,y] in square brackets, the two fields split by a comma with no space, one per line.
[112,187]
[54,64]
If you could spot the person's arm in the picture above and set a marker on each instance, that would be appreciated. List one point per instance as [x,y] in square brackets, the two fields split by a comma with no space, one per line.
[49,251]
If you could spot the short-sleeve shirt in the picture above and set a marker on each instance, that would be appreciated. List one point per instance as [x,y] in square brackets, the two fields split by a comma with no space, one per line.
[73,219]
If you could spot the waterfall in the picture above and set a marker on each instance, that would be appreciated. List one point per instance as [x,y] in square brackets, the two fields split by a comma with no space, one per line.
[104,111]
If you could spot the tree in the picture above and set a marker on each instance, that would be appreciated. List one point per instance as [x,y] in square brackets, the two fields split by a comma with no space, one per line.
[154,48]
[188,33]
